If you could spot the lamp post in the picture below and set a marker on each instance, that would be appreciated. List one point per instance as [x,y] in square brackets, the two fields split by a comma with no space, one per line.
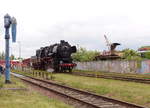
[19,43]
[8,21]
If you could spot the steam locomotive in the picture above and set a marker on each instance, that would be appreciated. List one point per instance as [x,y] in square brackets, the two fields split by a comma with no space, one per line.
[56,57]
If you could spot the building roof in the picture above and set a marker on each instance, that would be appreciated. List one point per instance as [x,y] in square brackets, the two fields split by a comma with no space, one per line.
[144,48]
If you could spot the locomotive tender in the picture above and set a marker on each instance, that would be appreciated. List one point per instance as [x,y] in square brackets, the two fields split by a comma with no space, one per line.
[56,57]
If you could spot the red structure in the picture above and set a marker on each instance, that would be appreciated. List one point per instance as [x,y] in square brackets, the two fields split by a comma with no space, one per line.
[26,62]
[12,63]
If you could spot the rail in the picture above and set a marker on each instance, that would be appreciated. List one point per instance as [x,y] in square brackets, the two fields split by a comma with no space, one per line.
[88,99]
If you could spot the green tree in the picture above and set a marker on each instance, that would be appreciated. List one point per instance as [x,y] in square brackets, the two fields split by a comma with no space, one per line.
[83,55]
[146,55]
[2,56]
[12,57]
[130,54]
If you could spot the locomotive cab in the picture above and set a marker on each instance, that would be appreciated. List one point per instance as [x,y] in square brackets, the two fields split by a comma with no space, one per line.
[73,49]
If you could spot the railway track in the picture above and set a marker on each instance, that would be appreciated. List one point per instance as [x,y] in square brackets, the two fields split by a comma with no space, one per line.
[139,80]
[86,99]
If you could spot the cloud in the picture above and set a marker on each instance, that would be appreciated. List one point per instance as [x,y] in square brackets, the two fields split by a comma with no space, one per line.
[82,22]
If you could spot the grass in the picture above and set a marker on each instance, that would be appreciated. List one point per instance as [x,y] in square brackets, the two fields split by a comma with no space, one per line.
[127,91]
[25,98]
[138,93]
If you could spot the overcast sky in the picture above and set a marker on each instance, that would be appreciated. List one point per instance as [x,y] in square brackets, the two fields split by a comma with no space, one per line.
[80,22]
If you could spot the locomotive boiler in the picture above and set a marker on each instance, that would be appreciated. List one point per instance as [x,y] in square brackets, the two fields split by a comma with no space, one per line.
[56,57]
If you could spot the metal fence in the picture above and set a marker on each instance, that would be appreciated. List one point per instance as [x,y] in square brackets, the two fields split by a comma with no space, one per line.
[120,66]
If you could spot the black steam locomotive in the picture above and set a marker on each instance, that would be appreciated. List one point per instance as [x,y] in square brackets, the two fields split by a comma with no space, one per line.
[56,57]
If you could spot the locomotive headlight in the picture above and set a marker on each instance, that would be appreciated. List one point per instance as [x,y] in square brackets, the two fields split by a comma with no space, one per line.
[61,62]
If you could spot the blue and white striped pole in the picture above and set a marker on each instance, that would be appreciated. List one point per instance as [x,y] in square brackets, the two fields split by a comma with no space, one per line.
[8,21]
